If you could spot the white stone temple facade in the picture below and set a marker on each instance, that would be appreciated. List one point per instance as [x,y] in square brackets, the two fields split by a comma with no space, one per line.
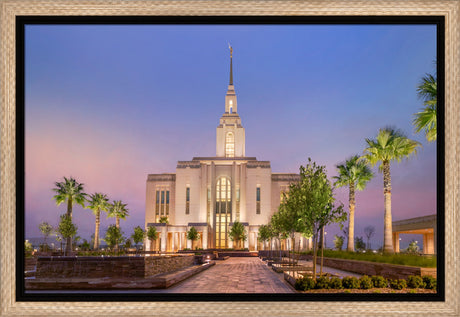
[210,193]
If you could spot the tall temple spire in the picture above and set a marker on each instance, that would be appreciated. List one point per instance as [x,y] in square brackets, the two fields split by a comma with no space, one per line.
[231,64]
[230,136]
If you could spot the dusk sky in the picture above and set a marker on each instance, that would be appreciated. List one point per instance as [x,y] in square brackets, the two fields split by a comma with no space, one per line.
[109,104]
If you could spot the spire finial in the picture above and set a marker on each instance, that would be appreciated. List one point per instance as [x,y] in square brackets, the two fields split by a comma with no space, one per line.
[231,66]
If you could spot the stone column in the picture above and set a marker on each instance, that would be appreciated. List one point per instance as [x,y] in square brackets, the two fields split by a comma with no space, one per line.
[203,194]
[213,204]
[243,193]
[246,243]
[233,216]
[164,237]
[255,241]
[205,237]
[425,243]
[396,242]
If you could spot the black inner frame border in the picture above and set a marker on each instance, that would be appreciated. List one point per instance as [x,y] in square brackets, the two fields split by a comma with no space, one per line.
[22,21]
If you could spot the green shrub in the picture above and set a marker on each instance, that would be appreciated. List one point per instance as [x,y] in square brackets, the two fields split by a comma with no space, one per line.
[335,283]
[365,282]
[350,282]
[430,282]
[415,282]
[398,284]
[379,281]
[322,282]
[304,284]
[299,284]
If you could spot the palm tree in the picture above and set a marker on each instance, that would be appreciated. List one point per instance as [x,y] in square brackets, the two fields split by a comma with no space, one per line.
[390,145]
[237,233]
[118,210]
[152,235]
[71,191]
[426,118]
[98,202]
[355,174]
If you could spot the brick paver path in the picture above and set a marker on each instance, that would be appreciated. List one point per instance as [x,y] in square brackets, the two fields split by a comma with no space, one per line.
[235,275]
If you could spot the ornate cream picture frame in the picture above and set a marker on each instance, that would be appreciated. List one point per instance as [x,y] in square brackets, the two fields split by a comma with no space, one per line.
[9,9]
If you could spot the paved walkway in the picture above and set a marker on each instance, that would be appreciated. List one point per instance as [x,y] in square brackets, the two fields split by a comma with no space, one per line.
[235,275]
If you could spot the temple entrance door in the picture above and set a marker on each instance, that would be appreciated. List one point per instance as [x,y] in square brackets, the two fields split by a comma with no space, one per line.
[223,211]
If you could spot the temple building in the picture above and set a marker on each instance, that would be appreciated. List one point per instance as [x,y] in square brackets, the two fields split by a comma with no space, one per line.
[211,192]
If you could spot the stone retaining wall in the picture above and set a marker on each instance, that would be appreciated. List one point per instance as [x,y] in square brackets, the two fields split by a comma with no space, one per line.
[374,268]
[162,264]
[118,267]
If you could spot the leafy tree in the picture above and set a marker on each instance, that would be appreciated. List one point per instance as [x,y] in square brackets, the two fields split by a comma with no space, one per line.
[413,247]
[289,213]
[98,202]
[426,118]
[128,244]
[237,233]
[164,219]
[71,191]
[67,230]
[138,235]
[338,242]
[193,235]
[315,199]
[389,145]
[28,247]
[278,231]
[58,238]
[265,234]
[113,236]
[355,174]
[152,235]
[85,246]
[118,210]
[46,229]
[75,241]
[359,244]
[369,231]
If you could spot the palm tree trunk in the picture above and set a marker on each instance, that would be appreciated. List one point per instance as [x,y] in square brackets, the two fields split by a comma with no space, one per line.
[96,231]
[351,219]
[117,224]
[68,247]
[387,235]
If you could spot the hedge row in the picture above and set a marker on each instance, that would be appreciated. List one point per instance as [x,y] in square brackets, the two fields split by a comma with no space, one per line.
[364,282]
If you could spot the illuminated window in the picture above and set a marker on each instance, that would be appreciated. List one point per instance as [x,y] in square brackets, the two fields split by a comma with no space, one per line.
[230,145]
[167,202]
[231,106]
[187,201]
[157,203]
[162,202]
[223,211]
[258,200]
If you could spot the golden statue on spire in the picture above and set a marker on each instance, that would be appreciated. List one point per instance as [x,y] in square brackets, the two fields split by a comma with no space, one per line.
[231,49]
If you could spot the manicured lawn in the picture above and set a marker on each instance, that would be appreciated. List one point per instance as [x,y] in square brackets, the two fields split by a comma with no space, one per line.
[402,259]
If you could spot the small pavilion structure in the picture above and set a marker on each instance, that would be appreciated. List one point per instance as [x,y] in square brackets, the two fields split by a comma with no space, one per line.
[425,225]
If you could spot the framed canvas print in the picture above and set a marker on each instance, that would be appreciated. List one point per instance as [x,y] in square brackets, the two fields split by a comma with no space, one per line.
[220,157]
